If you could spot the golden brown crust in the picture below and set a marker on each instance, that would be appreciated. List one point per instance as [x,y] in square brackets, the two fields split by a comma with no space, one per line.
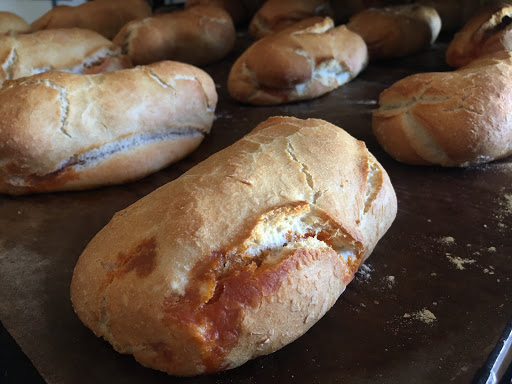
[106,17]
[198,35]
[240,11]
[344,9]
[11,24]
[455,13]
[73,50]
[62,131]
[301,62]
[233,260]
[276,15]
[488,31]
[396,31]
[453,119]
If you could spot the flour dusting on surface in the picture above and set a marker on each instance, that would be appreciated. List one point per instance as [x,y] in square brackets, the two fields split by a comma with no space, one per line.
[425,316]
[364,272]
[447,240]
[390,281]
[459,262]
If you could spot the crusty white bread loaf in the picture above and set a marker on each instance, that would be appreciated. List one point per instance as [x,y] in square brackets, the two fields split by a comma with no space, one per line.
[453,119]
[11,24]
[396,31]
[276,15]
[106,17]
[234,260]
[455,13]
[61,131]
[74,50]
[241,11]
[301,62]
[198,35]
[488,31]
[342,10]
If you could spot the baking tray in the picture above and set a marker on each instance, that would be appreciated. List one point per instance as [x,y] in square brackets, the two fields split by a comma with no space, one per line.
[430,304]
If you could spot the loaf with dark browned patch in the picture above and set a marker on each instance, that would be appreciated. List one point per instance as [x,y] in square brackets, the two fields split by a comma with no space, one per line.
[106,17]
[304,61]
[396,31]
[454,119]
[74,50]
[62,131]
[240,255]
[198,35]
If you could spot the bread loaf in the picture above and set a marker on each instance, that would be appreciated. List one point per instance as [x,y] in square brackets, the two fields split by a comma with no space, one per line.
[396,31]
[455,13]
[198,35]
[61,131]
[241,11]
[234,260]
[453,119]
[344,9]
[74,50]
[488,31]
[11,24]
[301,62]
[106,17]
[276,15]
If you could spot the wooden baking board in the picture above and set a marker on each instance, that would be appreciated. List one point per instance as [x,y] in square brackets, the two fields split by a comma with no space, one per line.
[429,305]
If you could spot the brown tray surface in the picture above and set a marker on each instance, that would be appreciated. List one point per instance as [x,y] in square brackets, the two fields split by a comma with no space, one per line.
[448,254]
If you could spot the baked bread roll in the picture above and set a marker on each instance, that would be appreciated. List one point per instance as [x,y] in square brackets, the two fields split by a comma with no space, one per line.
[74,50]
[344,9]
[453,119]
[455,13]
[233,260]
[61,131]
[106,17]
[396,31]
[488,31]
[276,15]
[301,62]
[198,35]
[241,11]
[11,24]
